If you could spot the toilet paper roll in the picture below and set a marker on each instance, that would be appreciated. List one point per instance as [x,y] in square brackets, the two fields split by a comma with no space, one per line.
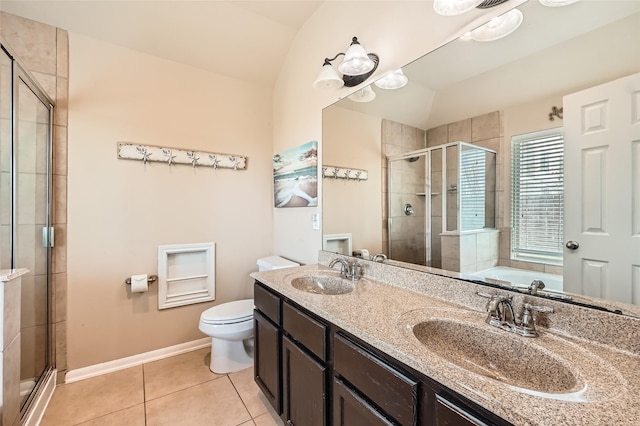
[139,283]
[365,254]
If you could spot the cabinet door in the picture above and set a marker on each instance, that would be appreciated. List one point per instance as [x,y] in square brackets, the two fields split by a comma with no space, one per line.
[267,357]
[304,382]
[449,414]
[350,409]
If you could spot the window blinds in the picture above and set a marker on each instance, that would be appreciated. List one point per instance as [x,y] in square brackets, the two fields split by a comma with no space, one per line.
[537,196]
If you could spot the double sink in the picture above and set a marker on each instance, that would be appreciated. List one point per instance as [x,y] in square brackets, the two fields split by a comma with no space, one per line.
[549,366]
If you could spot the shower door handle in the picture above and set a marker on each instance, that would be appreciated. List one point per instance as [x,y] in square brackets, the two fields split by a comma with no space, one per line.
[48,236]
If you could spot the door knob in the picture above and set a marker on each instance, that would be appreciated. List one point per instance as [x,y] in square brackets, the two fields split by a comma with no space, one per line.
[572,245]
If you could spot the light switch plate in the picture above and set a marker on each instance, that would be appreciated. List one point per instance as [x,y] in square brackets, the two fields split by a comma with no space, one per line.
[315,221]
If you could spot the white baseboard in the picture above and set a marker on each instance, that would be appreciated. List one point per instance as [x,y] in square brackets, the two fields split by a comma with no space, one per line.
[132,361]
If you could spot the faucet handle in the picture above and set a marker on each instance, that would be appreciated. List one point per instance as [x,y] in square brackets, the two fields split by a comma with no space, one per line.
[544,309]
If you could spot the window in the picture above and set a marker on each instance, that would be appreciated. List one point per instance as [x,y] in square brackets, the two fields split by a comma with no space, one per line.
[537,197]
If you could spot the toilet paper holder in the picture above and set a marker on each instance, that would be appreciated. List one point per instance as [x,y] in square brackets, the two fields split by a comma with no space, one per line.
[150,279]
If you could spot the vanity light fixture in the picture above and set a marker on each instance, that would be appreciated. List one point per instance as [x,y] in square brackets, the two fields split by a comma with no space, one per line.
[499,27]
[458,7]
[557,3]
[366,94]
[393,80]
[356,67]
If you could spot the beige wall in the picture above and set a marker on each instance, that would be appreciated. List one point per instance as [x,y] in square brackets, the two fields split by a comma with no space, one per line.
[397,31]
[355,206]
[120,211]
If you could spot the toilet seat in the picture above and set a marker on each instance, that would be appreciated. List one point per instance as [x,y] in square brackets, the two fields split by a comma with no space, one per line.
[229,313]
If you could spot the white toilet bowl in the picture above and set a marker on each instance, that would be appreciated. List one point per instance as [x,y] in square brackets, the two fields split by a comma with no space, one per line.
[230,326]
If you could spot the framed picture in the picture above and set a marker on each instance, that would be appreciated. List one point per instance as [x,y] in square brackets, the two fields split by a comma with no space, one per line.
[295,176]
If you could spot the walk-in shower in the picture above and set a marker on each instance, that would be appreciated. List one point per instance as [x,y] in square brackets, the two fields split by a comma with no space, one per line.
[446,190]
[25,204]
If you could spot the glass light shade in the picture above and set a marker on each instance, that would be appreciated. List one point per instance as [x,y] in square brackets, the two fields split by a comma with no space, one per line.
[366,94]
[356,61]
[328,79]
[498,27]
[454,7]
[557,3]
[394,80]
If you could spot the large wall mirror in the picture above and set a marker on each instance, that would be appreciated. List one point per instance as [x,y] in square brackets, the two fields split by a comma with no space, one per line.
[438,158]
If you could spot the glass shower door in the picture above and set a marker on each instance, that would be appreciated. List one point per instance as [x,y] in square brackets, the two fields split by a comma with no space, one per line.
[25,182]
[32,221]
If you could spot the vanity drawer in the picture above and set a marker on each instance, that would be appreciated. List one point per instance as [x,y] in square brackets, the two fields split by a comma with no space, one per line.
[391,390]
[267,303]
[309,332]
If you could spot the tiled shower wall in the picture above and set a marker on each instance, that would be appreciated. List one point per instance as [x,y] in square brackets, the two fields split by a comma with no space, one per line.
[44,51]
[406,180]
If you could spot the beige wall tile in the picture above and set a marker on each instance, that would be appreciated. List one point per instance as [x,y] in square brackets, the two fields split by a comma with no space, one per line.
[62,53]
[59,150]
[33,42]
[438,135]
[60,249]
[60,297]
[529,266]
[460,131]
[61,345]
[61,110]
[33,348]
[553,269]
[11,382]
[59,199]
[11,310]
[48,83]
[486,126]
[33,301]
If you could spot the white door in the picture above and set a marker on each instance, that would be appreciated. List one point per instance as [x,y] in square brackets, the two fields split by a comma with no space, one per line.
[602,191]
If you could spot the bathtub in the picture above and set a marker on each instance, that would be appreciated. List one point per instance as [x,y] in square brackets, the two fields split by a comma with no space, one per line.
[521,277]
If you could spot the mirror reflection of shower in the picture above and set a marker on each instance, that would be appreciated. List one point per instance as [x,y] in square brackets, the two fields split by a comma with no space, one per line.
[451,189]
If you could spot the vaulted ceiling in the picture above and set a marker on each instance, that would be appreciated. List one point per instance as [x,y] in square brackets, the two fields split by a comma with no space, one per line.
[245,39]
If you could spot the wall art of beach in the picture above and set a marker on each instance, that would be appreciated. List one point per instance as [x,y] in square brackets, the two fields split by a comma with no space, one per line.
[295,175]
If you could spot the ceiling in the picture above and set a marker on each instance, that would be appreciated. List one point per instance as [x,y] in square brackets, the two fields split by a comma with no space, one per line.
[224,37]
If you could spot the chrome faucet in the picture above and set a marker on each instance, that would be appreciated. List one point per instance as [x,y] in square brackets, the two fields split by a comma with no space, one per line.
[500,314]
[535,286]
[380,257]
[347,270]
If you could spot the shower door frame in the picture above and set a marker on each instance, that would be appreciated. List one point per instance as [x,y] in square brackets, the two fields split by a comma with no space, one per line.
[429,189]
[21,74]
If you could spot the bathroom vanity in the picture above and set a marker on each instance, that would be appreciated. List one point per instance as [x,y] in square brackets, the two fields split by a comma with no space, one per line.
[399,347]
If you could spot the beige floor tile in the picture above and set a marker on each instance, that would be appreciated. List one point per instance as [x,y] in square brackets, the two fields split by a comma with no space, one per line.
[249,423]
[88,399]
[270,418]
[133,416]
[177,373]
[249,391]
[212,403]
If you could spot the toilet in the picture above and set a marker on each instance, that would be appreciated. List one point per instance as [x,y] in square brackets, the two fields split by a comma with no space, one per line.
[230,326]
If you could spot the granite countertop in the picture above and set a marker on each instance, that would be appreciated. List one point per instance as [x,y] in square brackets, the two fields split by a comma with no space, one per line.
[608,377]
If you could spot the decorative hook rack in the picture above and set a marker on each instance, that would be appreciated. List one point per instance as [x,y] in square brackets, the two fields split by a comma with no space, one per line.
[555,112]
[170,156]
[344,173]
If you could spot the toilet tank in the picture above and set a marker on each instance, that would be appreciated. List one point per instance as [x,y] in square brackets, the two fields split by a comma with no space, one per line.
[275,262]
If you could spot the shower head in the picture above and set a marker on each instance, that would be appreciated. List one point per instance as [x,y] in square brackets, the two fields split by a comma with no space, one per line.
[413,159]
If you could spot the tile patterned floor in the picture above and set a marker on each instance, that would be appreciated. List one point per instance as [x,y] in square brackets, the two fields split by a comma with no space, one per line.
[176,391]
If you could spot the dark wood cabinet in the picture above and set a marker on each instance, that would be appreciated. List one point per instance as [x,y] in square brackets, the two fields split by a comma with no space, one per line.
[267,356]
[314,373]
[304,390]
[350,408]
[448,413]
